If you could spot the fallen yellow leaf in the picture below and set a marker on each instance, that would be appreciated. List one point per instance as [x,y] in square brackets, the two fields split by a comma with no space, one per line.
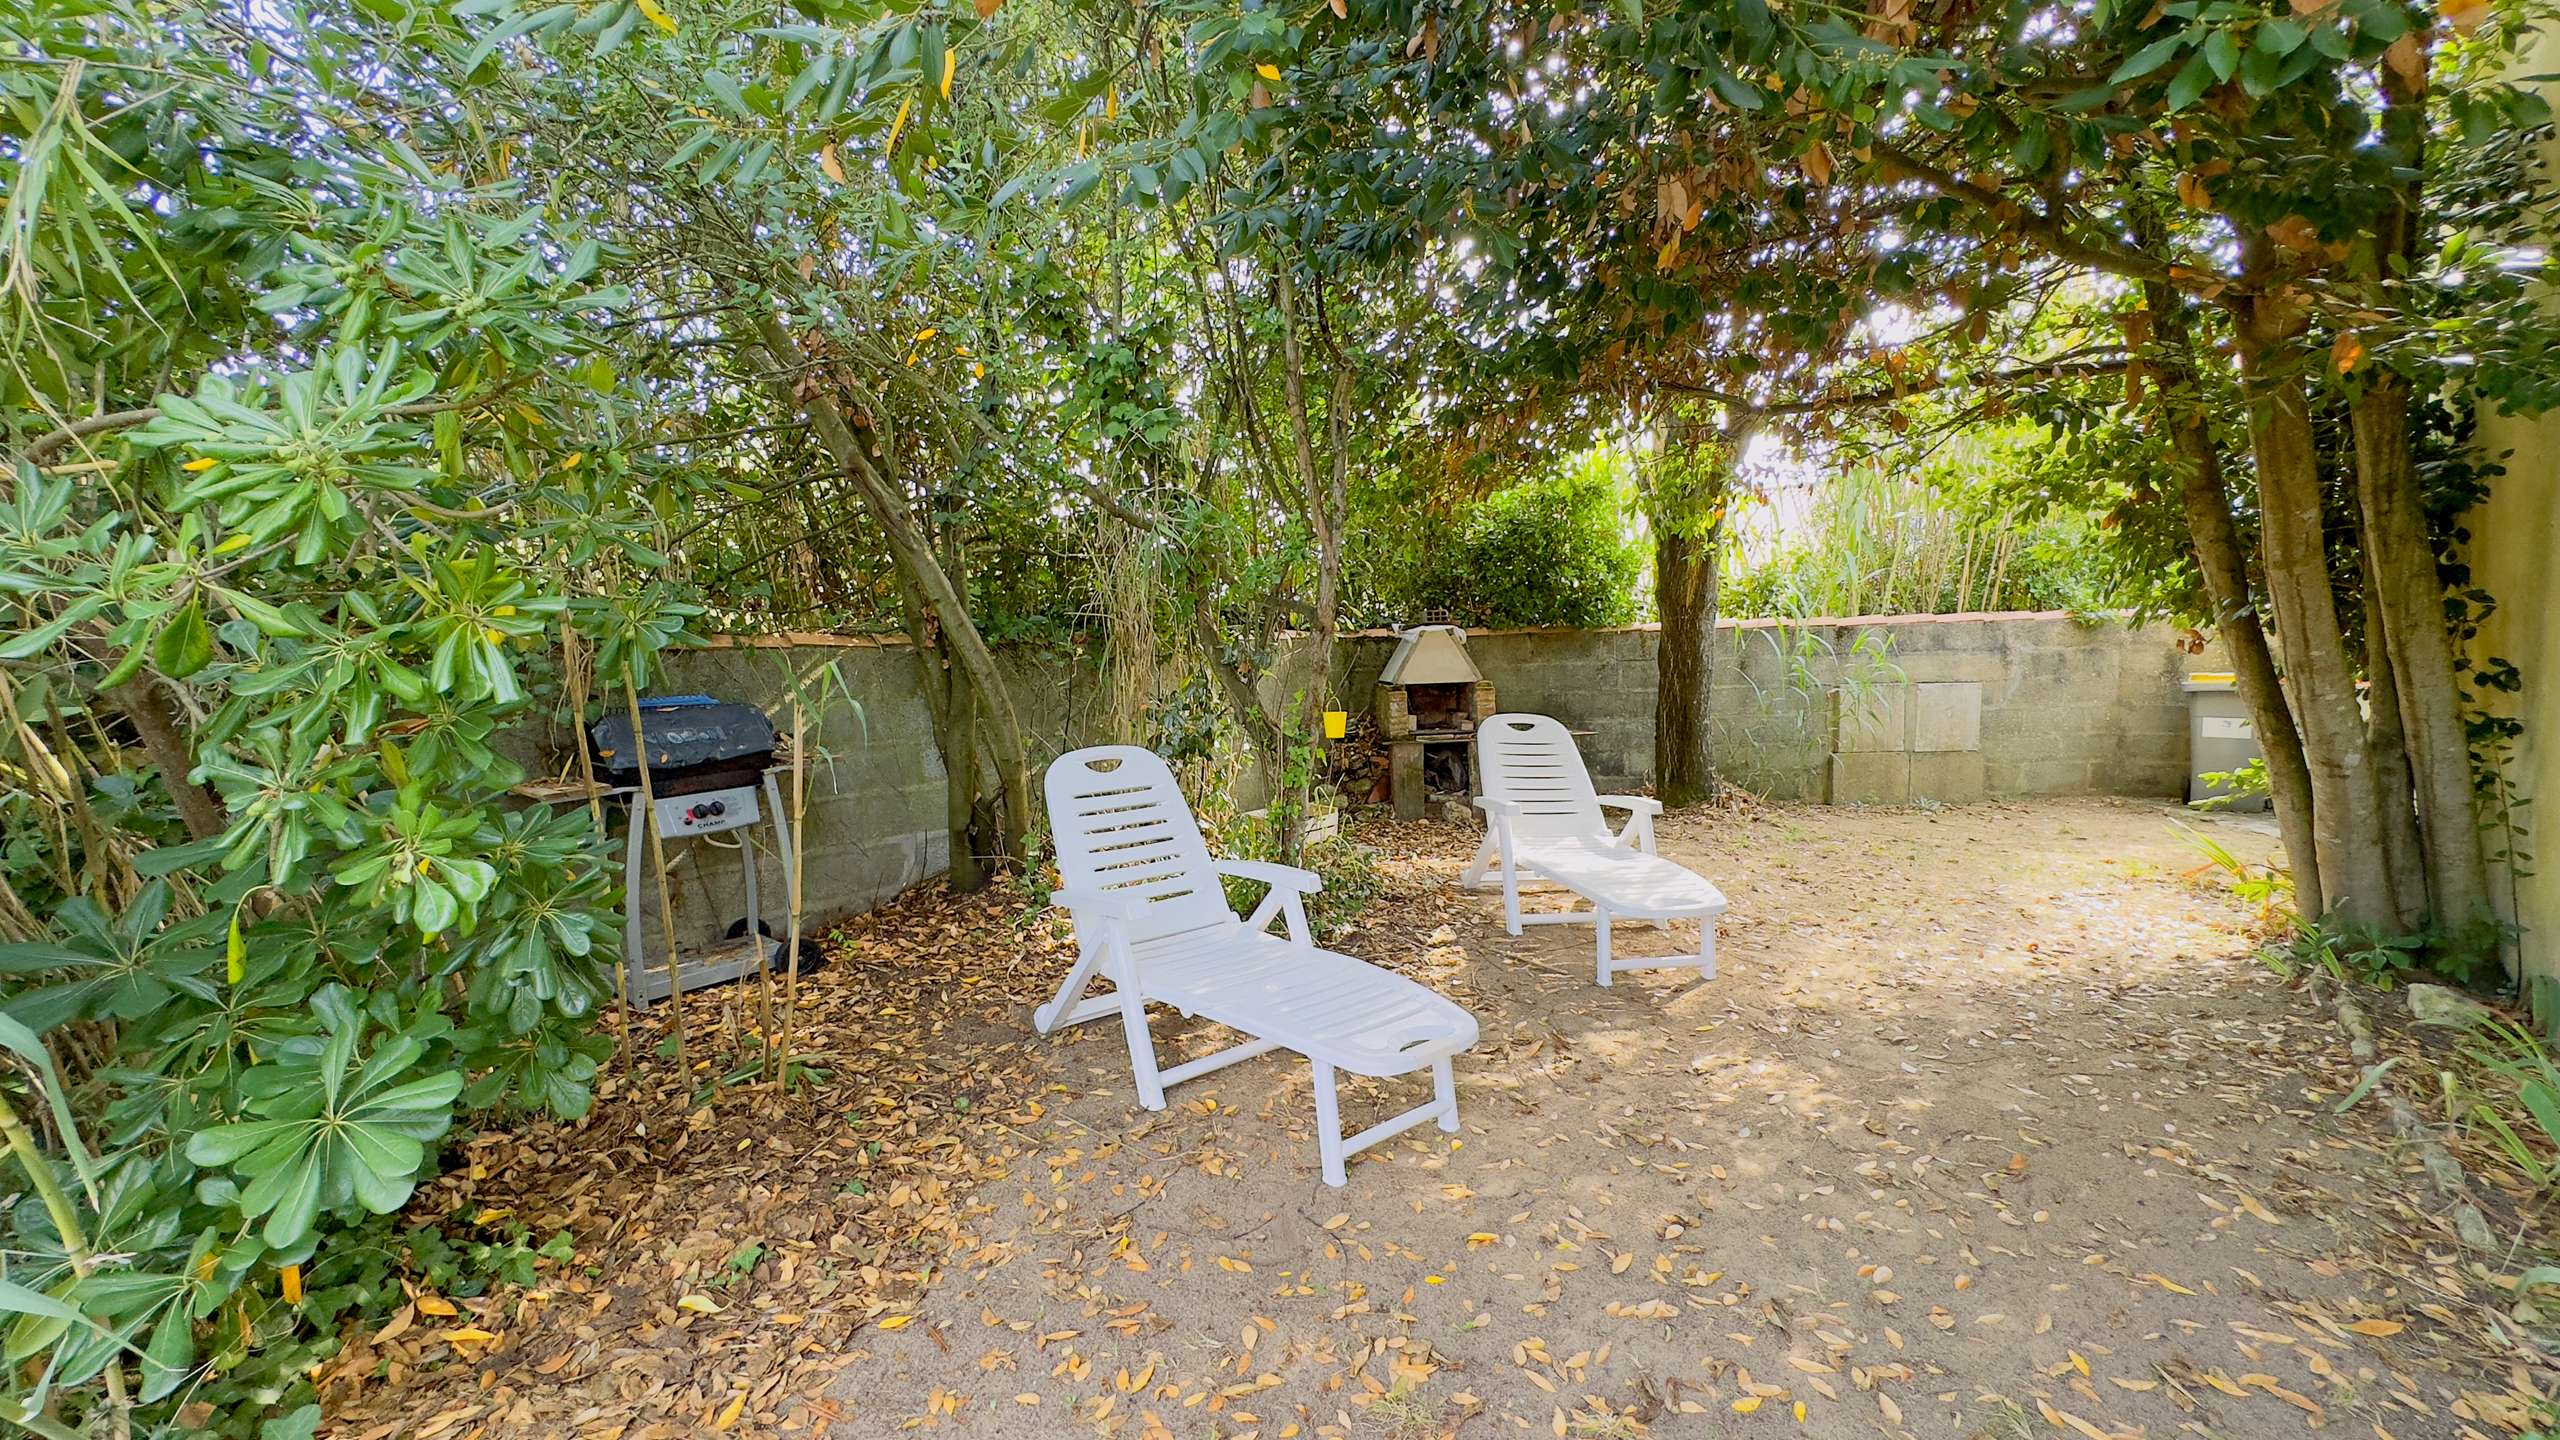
[699,1305]
[730,1412]
[2377,1328]
[2068,1421]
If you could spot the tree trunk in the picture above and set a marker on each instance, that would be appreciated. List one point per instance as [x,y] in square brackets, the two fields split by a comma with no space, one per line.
[1685,500]
[2401,561]
[2409,600]
[2402,852]
[1261,731]
[914,556]
[959,742]
[1327,493]
[952,708]
[1684,583]
[958,737]
[2346,814]
[2222,561]
[145,701]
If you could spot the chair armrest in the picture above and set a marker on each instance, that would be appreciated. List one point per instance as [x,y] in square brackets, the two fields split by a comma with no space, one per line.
[1495,804]
[1096,902]
[1640,804]
[1278,877]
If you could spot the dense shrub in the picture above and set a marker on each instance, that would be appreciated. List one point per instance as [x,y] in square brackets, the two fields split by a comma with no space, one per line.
[1553,550]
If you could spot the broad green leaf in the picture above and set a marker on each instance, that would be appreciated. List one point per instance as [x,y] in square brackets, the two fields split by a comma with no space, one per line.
[185,642]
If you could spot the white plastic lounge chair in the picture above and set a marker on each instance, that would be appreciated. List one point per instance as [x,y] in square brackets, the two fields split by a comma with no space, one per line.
[1543,823]
[1150,913]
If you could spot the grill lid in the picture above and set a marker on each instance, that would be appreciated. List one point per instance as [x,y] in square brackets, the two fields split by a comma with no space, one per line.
[685,735]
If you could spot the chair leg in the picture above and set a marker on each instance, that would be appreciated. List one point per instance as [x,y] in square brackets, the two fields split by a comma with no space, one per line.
[1511,899]
[1444,1088]
[1473,876]
[1088,959]
[1707,947]
[1142,1050]
[1600,920]
[1329,1125]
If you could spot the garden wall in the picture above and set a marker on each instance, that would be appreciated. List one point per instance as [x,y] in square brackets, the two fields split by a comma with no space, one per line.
[1873,710]
[1949,708]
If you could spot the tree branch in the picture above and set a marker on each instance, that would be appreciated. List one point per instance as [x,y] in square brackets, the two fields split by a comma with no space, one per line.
[2046,229]
[44,445]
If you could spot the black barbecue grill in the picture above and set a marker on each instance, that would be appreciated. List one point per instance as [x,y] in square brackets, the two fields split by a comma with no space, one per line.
[710,765]
[694,743]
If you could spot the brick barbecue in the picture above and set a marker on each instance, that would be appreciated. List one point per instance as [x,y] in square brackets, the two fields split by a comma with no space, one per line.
[1430,699]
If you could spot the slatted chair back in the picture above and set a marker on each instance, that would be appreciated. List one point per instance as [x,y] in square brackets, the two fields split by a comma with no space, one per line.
[1124,829]
[1531,761]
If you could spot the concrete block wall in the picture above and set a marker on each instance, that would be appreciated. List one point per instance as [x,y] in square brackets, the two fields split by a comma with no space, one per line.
[1950,707]
[876,821]
[2051,705]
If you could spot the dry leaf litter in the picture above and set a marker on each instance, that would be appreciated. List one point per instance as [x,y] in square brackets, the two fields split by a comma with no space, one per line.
[1990,1127]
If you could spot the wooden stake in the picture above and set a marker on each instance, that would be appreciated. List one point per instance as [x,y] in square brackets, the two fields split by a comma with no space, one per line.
[799,870]
[658,865]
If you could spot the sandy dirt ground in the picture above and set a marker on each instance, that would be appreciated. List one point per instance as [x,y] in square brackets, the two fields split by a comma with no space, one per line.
[1989,1126]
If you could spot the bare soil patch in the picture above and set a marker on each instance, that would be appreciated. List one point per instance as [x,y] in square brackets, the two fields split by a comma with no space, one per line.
[1990,1126]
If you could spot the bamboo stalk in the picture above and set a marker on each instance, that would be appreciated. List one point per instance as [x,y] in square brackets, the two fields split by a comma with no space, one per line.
[658,866]
[799,871]
[46,774]
[764,967]
[574,667]
[75,1244]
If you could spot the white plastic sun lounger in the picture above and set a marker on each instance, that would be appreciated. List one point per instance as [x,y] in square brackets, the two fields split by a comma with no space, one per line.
[1150,913]
[1543,823]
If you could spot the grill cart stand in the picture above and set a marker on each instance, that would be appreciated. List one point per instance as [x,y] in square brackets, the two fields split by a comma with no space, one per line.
[710,765]
[705,812]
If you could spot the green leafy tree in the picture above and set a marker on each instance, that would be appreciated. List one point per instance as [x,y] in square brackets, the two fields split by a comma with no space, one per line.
[1553,550]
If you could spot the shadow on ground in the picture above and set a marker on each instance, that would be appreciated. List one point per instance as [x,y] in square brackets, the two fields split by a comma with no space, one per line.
[1990,1126]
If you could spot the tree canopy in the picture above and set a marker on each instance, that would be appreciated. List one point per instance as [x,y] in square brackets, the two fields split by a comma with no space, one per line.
[389,377]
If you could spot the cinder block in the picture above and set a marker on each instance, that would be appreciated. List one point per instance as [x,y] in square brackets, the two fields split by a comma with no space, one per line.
[1877,722]
[1809,783]
[1946,716]
[1953,777]
[1870,778]
[2045,777]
